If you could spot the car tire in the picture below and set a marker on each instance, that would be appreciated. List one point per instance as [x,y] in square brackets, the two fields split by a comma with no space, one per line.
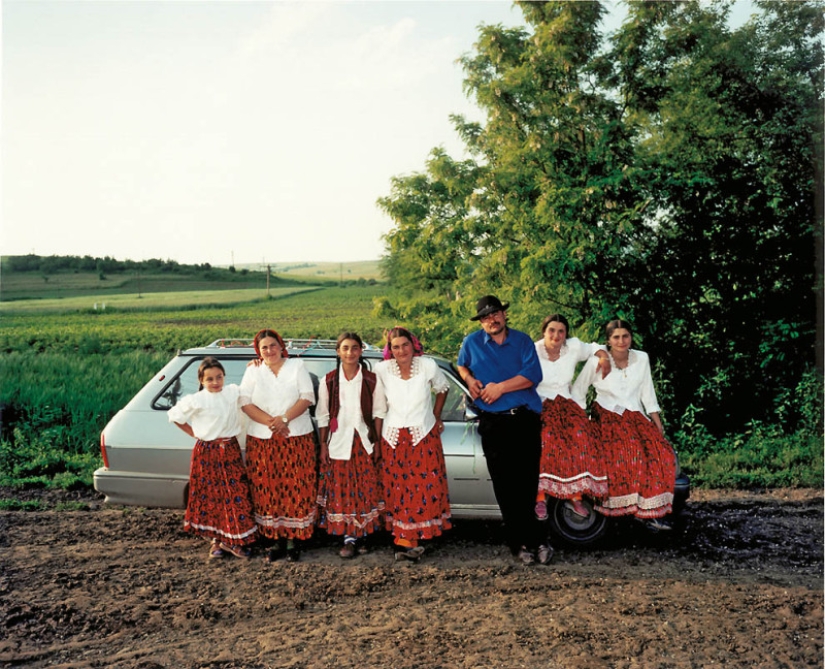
[574,530]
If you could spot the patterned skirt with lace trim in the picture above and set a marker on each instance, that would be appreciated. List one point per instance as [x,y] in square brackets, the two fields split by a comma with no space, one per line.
[415,487]
[283,483]
[572,463]
[641,464]
[349,494]
[219,505]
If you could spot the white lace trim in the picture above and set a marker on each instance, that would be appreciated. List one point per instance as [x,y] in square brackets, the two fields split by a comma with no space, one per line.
[415,368]
[417,433]
[631,359]
[563,351]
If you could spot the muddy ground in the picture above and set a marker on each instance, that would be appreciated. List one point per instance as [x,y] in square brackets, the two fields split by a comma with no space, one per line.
[741,586]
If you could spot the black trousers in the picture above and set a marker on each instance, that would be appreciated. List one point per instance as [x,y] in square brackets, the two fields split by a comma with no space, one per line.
[512,447]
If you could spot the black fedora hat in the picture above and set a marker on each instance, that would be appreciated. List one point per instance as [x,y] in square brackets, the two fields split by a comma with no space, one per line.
[487,305]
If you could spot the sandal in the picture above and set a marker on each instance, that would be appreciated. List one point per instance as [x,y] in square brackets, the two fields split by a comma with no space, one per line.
[215,550]
[237,551]
[526,556]
[544,554]
[576,506]
[413,554]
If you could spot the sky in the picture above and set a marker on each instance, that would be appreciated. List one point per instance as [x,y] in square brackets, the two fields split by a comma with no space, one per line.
[223,132]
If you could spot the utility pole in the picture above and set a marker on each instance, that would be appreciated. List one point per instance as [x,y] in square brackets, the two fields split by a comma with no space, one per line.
[268,272]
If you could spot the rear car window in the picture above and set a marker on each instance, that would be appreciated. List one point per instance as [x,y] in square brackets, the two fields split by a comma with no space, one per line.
[186,381]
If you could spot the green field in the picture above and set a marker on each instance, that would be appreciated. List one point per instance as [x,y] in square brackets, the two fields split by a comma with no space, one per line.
[66,372]
[365,269]
[189,299]
[65,369]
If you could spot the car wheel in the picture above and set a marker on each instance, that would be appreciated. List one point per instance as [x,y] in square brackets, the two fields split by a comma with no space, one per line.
[574,530]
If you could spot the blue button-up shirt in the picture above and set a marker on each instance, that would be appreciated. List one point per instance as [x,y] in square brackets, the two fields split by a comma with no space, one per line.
[493,363]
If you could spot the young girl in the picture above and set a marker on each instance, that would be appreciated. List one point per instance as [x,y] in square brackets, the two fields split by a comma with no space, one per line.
[348,492]
[219,506]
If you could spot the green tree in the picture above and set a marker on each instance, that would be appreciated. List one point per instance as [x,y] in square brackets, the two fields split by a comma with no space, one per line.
[730,137]
[667,174]
[545,213]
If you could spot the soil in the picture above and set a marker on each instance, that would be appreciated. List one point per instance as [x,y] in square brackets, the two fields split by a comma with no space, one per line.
[740,585]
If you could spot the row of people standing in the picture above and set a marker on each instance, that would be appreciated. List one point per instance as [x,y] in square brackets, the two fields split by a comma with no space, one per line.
[381,461]
[390,472]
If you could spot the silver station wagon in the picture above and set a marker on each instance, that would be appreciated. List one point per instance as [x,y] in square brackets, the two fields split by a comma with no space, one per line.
[146,458]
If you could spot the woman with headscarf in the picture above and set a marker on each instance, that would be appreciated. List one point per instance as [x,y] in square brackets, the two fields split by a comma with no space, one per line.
[409,422]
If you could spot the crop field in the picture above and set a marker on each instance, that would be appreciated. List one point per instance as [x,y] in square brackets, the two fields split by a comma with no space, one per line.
[188,299]
[366,269]
[66,369]
[66,372]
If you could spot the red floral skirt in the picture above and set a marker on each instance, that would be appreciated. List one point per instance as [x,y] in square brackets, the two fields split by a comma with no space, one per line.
[415,485]
[641,464]
[283,485]
[219,505]
[572,463]
[349,495]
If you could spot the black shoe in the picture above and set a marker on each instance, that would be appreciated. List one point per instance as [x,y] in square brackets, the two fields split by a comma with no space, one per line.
[293,555]
[275,554]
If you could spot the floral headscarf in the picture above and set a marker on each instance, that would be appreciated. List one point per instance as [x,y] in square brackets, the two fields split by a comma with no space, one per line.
[398,331]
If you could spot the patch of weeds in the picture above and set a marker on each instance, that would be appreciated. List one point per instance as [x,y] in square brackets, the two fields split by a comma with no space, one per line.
[21,505]
[71,506]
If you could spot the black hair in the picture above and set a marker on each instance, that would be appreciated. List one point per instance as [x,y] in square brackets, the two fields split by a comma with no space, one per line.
[555,318]
[209,362]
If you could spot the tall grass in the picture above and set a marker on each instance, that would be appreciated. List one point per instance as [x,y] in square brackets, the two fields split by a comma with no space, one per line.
[64,377]
[321,313]
[54,406]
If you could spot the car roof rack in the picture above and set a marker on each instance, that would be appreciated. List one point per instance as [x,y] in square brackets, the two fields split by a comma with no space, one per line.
[291,344]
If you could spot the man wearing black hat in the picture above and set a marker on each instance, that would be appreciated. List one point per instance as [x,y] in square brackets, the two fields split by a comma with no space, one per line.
[501,370]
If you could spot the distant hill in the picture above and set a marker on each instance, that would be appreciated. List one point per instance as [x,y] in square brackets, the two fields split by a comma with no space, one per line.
[55,277]
[336,271]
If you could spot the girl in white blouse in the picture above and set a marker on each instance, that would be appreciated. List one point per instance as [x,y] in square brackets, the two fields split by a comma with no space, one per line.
[572,465]
[641,464]
[219,505]
[414,473]
[349,494]
[280,446]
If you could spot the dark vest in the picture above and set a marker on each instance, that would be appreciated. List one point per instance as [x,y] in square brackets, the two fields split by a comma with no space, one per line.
[367,388]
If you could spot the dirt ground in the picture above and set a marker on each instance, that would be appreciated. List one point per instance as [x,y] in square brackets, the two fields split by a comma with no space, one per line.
[741,586]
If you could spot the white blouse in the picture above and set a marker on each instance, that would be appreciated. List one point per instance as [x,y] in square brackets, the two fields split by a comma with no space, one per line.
[211,415]
[276,394]
[407,402]
[556,376]
[350,419]
[628,389]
